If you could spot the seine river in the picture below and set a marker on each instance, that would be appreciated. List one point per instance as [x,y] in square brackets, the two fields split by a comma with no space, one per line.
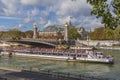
[92,69]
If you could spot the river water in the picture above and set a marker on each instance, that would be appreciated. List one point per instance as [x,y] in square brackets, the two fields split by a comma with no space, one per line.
[92,69]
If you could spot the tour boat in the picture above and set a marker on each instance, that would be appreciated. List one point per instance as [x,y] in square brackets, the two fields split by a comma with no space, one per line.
[86,56]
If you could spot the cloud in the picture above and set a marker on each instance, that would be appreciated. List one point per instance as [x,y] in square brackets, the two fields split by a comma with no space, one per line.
[38,2]
[14,18]
[3,28]
[19,26]
[9,7]
[41,11]
[74,9]
[79,10]
[47,24]
[35,12]
[41,21]
[89,22]
[28,20]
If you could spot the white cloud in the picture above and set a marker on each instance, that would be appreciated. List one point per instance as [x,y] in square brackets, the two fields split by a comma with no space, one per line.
[38,2]
[3,28]
[74,9]
[30,11]
[41,21]
[89,22]
[29,2]
[14,18]
[35,12]
[79,10]
[28,20]
[47,24]
[10,7]
[19,26]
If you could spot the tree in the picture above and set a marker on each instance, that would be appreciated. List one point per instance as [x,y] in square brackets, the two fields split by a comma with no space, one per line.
[29,34]
[117,33]
[23,35]
[14,33]
[98,34]
[5,35]
[73,34]
[1,34]
[109,34]
[108,11]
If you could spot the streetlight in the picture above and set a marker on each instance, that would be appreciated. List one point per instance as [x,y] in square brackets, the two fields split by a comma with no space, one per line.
[66,32]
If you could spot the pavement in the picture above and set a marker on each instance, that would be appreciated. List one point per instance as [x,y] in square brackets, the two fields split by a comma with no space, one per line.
[27,75]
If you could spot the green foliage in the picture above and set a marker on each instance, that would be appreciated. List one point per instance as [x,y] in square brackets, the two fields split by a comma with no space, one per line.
[117,33]
[29,34]
[108,11]
[23,35]
[73,34]
[13,33]
[5,35]
[109,33]
[98,34]
[104,34]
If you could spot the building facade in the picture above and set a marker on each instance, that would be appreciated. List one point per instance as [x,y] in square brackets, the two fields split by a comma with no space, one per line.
[56,35]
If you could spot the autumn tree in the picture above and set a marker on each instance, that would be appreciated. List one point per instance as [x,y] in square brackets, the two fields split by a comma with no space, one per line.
[109,33]
[98,34]
[117,33]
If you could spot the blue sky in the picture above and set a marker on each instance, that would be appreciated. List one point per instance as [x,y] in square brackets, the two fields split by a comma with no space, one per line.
[21,14]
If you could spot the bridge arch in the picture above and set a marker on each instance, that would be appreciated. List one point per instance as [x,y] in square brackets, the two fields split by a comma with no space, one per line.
[33,42]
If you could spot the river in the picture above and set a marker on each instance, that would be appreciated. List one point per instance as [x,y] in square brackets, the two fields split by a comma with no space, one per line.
[92,69]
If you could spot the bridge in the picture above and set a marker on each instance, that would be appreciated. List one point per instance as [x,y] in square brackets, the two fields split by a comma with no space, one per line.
[33,42]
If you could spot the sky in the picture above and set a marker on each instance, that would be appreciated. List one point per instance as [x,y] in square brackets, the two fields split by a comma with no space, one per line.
[22,14]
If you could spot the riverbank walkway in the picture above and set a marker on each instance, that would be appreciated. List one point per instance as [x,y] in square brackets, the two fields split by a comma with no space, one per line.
[28,75]
[14,74]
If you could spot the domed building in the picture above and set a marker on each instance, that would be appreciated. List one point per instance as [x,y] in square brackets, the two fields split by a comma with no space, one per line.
[52,32]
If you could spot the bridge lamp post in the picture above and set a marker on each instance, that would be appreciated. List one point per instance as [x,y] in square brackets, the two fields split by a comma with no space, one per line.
[35,31]
[66,32]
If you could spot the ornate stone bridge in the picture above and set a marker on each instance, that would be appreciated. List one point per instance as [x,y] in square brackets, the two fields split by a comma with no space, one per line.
[33,42]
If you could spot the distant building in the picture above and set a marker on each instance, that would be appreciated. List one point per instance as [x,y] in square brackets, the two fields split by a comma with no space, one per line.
[51,35]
